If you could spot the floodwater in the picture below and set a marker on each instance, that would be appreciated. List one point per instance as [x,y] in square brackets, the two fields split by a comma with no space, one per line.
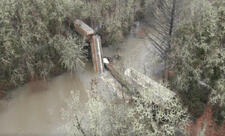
[139,54]
[35,109]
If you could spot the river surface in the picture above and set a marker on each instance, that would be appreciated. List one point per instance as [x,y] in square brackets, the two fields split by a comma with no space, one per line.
[35,109]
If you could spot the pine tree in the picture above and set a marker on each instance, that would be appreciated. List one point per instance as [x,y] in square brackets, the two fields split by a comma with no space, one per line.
[198,57]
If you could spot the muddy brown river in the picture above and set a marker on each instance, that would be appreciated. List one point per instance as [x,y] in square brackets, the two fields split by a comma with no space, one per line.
[35,109]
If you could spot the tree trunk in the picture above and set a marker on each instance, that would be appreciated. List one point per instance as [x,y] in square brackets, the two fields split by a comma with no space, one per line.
[172,22]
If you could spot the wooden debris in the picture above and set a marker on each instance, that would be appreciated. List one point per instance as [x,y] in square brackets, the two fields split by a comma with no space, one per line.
[83,29]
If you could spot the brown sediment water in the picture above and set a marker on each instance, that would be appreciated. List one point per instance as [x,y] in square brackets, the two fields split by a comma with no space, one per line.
[35,109]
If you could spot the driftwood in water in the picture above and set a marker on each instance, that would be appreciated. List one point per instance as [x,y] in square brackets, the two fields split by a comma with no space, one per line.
[139,84]
[83,29]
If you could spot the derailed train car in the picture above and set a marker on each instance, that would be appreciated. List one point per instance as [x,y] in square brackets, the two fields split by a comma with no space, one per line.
[95,41]
[83,29]
[96,49]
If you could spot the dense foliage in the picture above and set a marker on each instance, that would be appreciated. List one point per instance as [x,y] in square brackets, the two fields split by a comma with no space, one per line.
[37,39]
[198,57]
[143,118]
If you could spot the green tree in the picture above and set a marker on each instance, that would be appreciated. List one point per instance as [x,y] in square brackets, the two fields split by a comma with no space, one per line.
[199,57]
[30,37]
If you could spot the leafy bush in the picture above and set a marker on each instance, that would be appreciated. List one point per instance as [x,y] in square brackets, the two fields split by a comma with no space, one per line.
[149,119]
